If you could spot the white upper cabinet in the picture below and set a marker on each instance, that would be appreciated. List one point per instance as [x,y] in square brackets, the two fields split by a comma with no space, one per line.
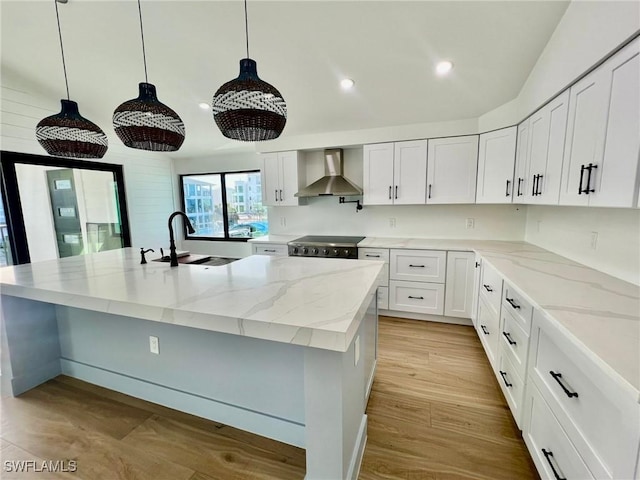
[603,140]
[282,177]
[395,173]
[522,163]
[451,170]
[547,131]
[496,160]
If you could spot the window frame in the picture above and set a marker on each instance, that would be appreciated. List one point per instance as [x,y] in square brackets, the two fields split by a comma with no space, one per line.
[225,209]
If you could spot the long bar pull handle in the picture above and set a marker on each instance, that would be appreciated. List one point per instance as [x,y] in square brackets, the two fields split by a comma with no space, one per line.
[396,192]
[557,377]
[484,329]
[582,169]
[369,255]
[507,335]
[276,190]
[416,298]
[488,288]
[548,455]
[280,195]
[429,190]
[416,266]
[504,379]
[589,190]
[389,192]
[538,186]
[267,250]
[512,303]
[533,186]
[507,193]
[519,184]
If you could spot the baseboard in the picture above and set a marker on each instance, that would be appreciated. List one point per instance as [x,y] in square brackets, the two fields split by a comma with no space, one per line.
[358,451]
[233,415]
[35,377]
[425,316]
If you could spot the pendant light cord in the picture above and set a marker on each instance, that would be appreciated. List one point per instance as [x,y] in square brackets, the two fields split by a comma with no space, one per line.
[64,65]
[246,26]
[144,55]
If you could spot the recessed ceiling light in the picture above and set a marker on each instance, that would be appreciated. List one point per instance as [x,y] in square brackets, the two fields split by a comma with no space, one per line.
[347,83]
[204,106]
[444,67]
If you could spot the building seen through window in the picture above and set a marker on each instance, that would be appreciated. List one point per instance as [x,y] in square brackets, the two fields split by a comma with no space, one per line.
[225,205]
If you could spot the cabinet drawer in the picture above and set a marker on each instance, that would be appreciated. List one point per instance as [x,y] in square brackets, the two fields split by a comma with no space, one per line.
[381,254]
[518,306]
[416,297]
[512,386]
[515,342]
[271,249]
[600,416]
[488,327]
[383,298]
[418,265]
[491,285]
[549,446]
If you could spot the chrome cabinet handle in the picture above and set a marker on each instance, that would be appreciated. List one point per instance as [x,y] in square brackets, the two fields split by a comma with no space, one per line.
[557,377]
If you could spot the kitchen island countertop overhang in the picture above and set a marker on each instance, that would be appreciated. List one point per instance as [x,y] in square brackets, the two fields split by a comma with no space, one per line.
[302,301]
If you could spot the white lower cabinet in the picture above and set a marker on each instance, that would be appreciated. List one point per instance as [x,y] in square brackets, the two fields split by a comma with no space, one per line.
[512,386]
[381,254]
[459,284]
[550,447]
[273,249]
[383,298]
[416,297]
[488,328]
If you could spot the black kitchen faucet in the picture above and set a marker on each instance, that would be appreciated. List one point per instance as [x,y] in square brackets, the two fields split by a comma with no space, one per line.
[172,244]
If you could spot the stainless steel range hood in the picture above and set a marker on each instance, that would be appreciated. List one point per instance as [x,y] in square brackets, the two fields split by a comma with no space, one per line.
[333,182]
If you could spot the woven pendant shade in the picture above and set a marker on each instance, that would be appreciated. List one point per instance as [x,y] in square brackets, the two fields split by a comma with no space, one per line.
[249,109]
[69,134]
[147,124]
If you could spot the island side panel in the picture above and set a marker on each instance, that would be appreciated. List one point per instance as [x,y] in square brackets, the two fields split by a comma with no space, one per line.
[30,348]
[252,384]
[336,391]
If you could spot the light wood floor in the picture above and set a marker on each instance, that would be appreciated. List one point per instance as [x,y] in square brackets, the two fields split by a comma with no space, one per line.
[436,412]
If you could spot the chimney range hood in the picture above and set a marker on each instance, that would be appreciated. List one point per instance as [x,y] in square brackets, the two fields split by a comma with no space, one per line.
[333,182]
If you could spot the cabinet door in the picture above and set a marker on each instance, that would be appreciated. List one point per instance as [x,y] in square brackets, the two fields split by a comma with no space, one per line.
[452,164]
[585,133]
[410,172]
[522,163]
[616,178]
[378,174]
[548,129]
[270,179]
[289,178]
[496,160]
[459,284]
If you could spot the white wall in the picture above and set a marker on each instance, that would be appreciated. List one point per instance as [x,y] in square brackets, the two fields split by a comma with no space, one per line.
[568,231]
[149,178]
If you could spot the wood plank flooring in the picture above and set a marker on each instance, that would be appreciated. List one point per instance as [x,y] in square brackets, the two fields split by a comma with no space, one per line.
[435,413]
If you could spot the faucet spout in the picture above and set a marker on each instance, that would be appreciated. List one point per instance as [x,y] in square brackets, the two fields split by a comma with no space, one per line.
[172,244]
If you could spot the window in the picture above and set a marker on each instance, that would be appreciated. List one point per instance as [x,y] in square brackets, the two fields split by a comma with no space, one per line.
[219,209]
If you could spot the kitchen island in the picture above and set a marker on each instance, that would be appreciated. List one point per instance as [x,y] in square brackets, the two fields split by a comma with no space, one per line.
[282,347]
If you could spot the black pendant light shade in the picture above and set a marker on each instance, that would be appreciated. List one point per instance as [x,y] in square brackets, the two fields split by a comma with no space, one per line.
[69,134]
[249,109]
[147,124]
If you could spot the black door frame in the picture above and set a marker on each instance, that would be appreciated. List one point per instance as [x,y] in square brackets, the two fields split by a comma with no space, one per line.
[13,205]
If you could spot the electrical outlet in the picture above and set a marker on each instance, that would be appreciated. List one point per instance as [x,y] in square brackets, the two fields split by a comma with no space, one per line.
[392,222]
[471,223]
[594,240]
[154,345]
[356,349]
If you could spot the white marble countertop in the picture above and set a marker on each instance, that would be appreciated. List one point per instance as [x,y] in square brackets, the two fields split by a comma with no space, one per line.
[600,312]
[274,239]
[303,301]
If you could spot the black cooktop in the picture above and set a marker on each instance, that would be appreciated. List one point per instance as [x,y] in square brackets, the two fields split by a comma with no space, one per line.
[326,240]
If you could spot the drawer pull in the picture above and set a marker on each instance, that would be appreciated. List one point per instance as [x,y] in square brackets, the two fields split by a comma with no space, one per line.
[507,335]
[416,298]
[369,255]
[548,456]
[416,266]
[504,379]
[557,377]
[267,250]
[488,288]
[512,303]
[484,329]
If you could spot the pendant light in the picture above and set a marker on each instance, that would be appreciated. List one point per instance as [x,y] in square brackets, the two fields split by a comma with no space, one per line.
[69,134]
[247,108]
[144,122]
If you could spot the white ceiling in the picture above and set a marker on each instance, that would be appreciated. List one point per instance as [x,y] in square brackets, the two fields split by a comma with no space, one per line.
[303,48]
